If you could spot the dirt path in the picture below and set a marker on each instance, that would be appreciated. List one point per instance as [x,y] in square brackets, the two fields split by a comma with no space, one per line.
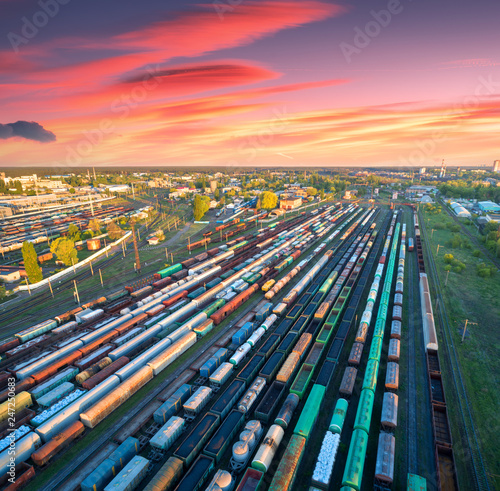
[178,235]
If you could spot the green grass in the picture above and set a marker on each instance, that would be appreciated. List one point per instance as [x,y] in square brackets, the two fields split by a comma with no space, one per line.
[468,296]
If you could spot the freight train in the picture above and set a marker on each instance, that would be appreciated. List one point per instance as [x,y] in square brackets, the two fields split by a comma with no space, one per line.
[121,376]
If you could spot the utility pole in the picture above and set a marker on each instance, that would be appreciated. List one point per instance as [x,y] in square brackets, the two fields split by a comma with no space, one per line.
[50,287]
[465,328]
[76,291]
[136,249]
[447,274]
[437,251]
[100,276]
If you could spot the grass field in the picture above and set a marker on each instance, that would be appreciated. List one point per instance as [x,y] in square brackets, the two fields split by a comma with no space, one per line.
[469,296]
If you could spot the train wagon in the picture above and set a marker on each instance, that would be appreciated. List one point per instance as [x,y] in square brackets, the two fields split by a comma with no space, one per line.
[348,380]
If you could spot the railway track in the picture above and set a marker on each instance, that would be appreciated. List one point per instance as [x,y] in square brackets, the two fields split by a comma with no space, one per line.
[58,482]
[411,400]
[472,451]
[64,474]
[42,297]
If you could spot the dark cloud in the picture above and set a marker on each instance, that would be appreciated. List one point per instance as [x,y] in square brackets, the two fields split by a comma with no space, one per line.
[200,70]
[26,129]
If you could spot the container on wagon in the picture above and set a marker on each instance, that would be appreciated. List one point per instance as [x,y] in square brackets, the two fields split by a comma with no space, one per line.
[168,433]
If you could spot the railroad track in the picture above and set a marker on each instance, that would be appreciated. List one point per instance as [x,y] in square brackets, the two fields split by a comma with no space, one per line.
[411,400]
[469,434]
[472,237]
[42,297]
[58,481]
[64,474]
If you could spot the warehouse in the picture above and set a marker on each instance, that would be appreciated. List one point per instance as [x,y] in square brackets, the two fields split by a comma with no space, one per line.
[459,210]
[488,206]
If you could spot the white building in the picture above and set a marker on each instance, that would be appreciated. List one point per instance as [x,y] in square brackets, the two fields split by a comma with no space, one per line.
[459,210]
[118,188]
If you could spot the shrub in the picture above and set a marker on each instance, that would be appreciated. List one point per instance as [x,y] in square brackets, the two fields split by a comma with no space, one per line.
[476,253]
[453,227]
[448,258]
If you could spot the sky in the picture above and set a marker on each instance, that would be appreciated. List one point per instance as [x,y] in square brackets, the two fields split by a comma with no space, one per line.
[249,83]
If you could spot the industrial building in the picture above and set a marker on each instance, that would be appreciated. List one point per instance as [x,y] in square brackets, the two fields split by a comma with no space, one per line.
[459,210]
[488,207]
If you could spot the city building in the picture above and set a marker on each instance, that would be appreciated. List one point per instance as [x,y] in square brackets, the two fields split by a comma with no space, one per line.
[418,190]
[496,166]
[290,202]
[297,191]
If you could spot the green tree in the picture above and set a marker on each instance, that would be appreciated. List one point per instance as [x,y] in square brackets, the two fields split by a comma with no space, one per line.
[114,231]
[217,194]
[95,226]
[268,200]
[74,232]
[31,266]
[72,190]
[312,191]
[201,204]
[65,250]
[3,292]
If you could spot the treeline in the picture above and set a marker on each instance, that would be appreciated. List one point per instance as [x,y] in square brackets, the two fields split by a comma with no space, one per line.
[464,191]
